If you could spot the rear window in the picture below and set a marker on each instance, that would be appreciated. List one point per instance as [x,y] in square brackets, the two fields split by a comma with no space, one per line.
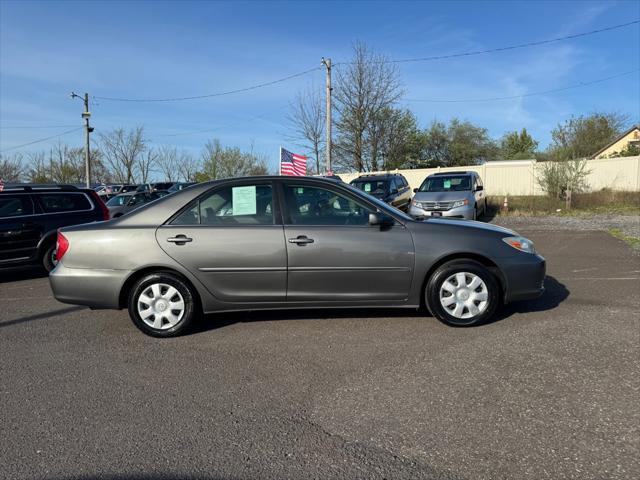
[372,186]
[64,202]
[15,205]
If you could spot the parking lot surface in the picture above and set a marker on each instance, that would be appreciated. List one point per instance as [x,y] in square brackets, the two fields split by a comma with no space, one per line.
[548,390]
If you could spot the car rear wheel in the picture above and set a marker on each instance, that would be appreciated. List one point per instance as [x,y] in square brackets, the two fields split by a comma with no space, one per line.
[462,293]
[162,305]
[49,260]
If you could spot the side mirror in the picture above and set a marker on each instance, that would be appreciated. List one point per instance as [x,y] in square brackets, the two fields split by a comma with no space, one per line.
[479,188]
[415,190]
[381,219]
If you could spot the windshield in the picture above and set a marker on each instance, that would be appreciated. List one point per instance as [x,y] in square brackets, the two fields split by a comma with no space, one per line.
[372,187]
[118,201]
[443,183]
[385,207]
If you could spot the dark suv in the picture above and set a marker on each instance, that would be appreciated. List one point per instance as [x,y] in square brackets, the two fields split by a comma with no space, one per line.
[30,216]
[391,188]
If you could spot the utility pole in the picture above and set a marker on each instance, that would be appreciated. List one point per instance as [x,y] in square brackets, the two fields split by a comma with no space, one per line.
[327,63]
[87,129]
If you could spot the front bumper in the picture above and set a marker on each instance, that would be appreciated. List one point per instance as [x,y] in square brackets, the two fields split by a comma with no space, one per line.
[84,286]
[524,278]
[465,212]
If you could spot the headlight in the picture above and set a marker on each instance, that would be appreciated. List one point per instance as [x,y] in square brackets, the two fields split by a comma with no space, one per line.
[416,204]
[460,203]
[520,243]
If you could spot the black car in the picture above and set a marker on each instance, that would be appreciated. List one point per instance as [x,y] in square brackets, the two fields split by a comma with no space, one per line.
[391,188]
[176,187]
[30,216]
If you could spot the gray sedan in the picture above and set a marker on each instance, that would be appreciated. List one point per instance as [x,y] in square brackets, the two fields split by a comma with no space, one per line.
[286,242]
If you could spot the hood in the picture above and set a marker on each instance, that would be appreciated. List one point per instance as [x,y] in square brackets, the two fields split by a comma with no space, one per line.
[470,224]
[441,196]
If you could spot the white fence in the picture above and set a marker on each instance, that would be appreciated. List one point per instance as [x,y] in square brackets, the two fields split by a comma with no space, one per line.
[520,177]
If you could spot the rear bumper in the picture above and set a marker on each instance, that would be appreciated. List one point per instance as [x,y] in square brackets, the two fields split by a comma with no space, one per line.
[90,287]
[525,279]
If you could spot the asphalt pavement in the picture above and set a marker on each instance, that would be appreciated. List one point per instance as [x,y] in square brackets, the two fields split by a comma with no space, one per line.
[551,389]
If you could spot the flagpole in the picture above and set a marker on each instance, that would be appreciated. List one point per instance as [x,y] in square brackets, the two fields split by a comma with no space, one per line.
[280,162]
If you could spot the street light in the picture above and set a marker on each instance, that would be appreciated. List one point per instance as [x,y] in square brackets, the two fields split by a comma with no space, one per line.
[88,129]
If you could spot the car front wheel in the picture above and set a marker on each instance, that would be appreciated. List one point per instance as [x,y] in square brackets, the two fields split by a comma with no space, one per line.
[462,293]
[162,305]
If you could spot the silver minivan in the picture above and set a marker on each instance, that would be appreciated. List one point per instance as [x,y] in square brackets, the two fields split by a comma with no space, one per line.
[450,194]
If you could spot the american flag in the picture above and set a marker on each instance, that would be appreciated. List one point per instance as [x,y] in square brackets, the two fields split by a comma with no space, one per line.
[1,185]
[292,163]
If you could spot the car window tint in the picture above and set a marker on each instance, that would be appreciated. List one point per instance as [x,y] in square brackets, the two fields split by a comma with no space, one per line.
[15,205]
[63,202]
[239,205]
[191,216]
[375,187]
[318,206]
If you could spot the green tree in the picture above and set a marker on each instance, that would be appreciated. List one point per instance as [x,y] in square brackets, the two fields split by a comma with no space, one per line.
[582,137]
[469,144]
[224,162]
[518,145]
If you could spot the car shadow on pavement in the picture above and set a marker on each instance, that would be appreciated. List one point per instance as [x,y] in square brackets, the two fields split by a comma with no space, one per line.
[17,274]
[555,293]
[42,316]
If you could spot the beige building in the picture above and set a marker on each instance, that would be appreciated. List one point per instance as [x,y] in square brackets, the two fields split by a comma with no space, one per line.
[630,137]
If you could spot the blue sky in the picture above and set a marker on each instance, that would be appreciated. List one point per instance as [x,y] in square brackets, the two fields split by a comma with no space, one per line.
[169,49]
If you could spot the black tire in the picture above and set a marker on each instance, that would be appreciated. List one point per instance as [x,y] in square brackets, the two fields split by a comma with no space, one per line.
[475,212]
[445,272]
[48,259]
[186,319]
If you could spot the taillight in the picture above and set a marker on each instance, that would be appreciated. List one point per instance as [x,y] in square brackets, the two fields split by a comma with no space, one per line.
[100,204]
[61,247]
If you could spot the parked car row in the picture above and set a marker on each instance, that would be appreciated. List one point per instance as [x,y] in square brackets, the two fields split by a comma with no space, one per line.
[446,194]
[109,191]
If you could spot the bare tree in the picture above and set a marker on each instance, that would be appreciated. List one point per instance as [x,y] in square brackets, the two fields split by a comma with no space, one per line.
[39,169]
[145,163]
[167,160]
[365,87]
[307,120]
[66,165]
[122,150]
[188,167]
[11,168]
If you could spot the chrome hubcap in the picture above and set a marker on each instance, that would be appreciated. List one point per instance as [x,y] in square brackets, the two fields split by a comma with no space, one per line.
[464,295]
[160,306]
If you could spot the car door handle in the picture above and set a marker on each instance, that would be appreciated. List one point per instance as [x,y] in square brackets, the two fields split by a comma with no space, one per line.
[179,239]
[301,240]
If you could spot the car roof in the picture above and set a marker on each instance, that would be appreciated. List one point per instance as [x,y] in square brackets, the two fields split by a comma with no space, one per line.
[382,176]
[441,174]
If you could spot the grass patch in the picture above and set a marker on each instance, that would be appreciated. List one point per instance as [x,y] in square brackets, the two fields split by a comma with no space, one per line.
[633,242]
[604,202]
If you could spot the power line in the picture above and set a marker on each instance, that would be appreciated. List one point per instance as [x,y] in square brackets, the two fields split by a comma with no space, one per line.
[41,140]
[38,127]
[544,92]
[210,95]
[509,47]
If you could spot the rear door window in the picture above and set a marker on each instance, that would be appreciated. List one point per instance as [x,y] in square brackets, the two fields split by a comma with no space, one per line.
[237,205]
[64,202]
[15,205]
